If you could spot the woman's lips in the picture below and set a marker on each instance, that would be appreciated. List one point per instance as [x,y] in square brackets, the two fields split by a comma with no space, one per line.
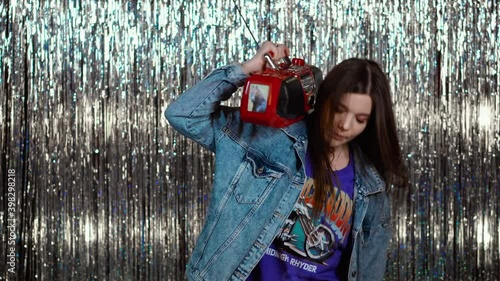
[338,137]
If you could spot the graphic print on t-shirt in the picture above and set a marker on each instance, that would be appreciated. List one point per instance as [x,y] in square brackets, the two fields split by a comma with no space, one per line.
[309,249]
[317,240]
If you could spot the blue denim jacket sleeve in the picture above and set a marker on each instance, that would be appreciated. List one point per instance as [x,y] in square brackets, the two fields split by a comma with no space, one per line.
[195,113]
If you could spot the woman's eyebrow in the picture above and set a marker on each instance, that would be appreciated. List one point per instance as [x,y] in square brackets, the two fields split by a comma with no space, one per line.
[342,106]
[363,114]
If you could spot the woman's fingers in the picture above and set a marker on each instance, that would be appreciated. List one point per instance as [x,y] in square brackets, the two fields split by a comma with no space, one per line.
[258,62]
[276,50]
[282,51]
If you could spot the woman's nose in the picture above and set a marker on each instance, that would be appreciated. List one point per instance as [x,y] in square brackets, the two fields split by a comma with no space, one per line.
[345,123]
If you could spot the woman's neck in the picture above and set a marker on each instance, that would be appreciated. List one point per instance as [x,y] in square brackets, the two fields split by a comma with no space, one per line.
[340,158]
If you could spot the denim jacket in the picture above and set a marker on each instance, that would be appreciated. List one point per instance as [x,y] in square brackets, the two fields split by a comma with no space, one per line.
[259,174]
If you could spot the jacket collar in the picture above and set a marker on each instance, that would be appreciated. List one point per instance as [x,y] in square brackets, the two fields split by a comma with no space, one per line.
[366,175]
[298,131]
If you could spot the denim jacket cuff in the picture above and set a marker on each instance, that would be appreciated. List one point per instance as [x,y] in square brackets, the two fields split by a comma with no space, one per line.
[235,74]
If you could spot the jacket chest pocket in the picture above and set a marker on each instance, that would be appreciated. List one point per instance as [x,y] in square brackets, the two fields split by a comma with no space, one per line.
[255,178]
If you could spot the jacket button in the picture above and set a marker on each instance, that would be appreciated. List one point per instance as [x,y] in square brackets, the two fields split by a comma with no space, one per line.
[353,274]
[260,170]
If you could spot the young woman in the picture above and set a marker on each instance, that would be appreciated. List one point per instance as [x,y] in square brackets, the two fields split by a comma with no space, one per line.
[305,202]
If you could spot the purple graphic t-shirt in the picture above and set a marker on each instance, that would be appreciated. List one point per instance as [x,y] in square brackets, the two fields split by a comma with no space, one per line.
[309,249]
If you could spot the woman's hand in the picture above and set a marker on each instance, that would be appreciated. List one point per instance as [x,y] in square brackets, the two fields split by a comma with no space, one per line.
[258,62]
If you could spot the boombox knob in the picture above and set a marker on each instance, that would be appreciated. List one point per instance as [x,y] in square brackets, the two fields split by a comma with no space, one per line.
[297,61]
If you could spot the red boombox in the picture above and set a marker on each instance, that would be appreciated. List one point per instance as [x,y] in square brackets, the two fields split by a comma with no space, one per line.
[280,95]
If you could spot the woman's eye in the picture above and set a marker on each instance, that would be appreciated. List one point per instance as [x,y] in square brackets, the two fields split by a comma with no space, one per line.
[341,109]
[361,121]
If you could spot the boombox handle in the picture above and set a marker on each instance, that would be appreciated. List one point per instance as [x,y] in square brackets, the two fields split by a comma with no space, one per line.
[284,61]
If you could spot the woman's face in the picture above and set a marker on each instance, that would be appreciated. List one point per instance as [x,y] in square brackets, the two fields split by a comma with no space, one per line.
[351,118]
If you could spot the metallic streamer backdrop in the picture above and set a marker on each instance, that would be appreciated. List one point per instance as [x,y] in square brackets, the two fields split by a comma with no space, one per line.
[106,190]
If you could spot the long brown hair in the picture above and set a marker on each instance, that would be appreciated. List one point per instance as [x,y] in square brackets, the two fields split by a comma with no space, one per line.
[378,142]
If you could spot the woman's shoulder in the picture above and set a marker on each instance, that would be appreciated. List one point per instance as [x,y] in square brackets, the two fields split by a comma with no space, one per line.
[273,144]
[250,131]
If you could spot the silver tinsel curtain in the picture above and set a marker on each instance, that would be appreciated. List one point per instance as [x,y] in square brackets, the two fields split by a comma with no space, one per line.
[95,185]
